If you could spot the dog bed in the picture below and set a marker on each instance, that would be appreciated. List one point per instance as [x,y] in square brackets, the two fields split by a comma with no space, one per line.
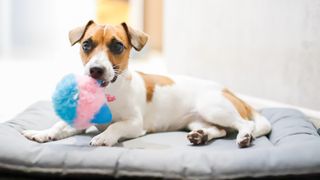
[292,148]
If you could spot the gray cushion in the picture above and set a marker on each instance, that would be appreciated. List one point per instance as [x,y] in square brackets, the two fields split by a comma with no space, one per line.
[292,148]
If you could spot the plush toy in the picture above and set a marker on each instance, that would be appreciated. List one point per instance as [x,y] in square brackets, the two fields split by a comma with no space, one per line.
[80,101]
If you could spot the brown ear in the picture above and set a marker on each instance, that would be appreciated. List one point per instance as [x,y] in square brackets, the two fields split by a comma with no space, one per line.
[136,38]
[76,34]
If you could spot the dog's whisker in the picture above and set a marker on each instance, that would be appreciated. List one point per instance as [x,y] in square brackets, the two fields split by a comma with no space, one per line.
[116,71]
[116,66]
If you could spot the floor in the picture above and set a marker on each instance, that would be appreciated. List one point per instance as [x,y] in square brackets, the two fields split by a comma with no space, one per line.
[27,80]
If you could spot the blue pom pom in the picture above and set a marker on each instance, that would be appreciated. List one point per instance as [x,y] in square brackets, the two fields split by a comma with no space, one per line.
[65,97]
[103,116]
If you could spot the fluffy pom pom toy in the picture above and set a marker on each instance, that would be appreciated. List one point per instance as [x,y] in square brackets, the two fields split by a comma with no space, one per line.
[80,101]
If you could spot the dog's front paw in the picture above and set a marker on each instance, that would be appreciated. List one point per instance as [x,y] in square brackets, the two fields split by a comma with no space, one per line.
[39,136]
[103,140]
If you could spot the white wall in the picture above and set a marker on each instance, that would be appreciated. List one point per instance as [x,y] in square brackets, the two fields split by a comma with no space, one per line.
[5,28]
[264,48]
[33,27]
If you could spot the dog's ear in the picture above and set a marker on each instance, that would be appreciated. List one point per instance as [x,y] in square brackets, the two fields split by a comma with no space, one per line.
[136,38]
[76,34]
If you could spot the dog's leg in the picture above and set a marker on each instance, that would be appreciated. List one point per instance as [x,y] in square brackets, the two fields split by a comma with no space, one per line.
[220,112]
[202,132]
[121,129]
[224,118]
[58,131]
[245,132]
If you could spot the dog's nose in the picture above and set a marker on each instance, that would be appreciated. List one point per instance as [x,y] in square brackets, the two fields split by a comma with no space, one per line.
[96,72]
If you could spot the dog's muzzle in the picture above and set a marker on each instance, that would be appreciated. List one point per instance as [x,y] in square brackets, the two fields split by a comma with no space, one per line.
[98,74]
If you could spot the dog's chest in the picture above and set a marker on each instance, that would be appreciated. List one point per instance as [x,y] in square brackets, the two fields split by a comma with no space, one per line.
[119,109]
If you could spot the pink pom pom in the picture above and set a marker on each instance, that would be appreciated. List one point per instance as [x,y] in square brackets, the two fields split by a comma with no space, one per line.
[91,98]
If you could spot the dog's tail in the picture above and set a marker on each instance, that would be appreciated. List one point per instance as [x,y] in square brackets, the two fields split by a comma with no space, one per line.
[262,125]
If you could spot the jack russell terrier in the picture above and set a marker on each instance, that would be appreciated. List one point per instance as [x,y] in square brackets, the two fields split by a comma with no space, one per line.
[148,103]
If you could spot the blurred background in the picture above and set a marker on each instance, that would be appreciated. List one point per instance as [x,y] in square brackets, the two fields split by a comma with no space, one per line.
[268,50]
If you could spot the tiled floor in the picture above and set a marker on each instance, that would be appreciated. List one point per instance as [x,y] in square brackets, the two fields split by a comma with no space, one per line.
[25,81]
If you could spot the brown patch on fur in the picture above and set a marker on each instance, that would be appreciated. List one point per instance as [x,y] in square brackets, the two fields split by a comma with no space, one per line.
[244,109]
[129,78]
[151,81]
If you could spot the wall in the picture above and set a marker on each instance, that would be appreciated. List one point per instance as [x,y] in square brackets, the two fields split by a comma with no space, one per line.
[33,27]
[5,28]
[266,48]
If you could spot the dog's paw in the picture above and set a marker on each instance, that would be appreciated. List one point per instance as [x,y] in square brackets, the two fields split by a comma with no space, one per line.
[103,140]
[197,137]
[39,136]
[245,140]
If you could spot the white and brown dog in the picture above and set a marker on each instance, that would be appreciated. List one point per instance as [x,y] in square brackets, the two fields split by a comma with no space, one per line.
[153,103]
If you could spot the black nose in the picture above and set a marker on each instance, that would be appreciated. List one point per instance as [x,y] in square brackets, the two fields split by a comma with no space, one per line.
[96,72]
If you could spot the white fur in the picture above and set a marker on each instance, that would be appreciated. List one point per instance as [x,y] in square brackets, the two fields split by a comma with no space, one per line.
[187,103]
[59,131]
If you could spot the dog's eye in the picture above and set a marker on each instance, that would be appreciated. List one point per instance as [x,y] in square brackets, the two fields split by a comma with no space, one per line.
[116,47]
[87,45]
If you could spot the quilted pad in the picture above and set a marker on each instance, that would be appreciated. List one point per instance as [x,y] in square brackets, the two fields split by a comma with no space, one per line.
[292,148]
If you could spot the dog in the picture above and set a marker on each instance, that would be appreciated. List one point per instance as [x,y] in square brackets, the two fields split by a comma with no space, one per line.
[147,103]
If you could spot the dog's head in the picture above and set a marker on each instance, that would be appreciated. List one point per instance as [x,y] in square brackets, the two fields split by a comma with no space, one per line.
[105,49]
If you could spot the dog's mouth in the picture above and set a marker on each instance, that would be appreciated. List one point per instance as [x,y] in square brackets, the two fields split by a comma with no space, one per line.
[104,83]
